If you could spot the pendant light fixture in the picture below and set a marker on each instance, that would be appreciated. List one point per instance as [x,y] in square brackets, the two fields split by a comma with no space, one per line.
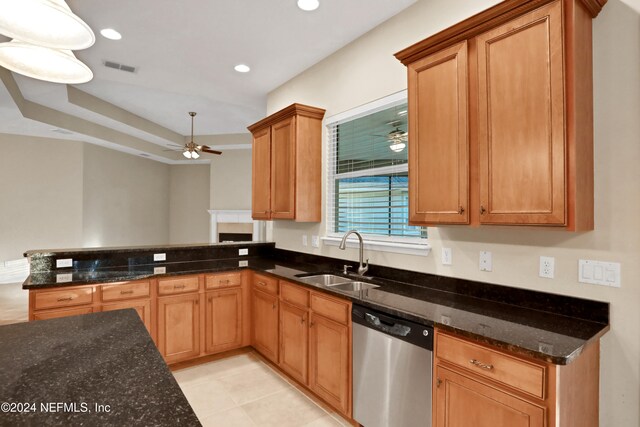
[43,63]
[48,23]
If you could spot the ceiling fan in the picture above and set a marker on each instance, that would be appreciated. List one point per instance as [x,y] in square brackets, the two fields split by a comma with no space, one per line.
[397,137]
[191,150]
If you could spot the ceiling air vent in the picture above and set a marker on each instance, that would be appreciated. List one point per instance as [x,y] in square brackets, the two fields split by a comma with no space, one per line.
[122,67]
[62,131]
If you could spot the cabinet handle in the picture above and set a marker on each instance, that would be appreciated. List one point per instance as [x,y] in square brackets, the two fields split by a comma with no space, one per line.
[178,286]
[460,210]
[65,299]
[262,284]
[126,292]
[482,210]
[223,281]
[480,364]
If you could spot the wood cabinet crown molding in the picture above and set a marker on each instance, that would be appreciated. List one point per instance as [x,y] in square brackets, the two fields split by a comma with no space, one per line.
[479,23]
[290,111]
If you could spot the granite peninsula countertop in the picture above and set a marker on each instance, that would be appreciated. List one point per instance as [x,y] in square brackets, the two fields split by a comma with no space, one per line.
[549,327]
[93,369]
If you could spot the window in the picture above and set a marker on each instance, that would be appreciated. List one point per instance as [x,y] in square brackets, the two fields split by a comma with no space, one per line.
[367,174]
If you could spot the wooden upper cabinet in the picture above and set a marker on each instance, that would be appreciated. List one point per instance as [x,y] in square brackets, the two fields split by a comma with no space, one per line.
[261,174]
[283,169]
[501,118]
[521,120]
[438,138]
[287,165]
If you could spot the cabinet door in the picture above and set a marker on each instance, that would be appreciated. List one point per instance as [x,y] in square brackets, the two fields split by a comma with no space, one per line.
[264,324]
[521,120]
[179,327]
[142,307]
[283,169]
[329,365]
[223,316]
[438,138]
[261,174]
[294,338]
[462,401]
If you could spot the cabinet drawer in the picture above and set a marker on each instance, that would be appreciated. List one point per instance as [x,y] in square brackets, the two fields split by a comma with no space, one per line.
[125,290]
[54,314]
[63,298]
[294,294]
[225,280]
[501,367]
[265,284]
[180,285]
[331,308]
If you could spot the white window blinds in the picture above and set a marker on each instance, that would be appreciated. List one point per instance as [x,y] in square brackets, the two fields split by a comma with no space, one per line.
[367,185]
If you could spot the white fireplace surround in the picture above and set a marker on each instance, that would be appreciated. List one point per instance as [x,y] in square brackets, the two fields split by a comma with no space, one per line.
[232,216]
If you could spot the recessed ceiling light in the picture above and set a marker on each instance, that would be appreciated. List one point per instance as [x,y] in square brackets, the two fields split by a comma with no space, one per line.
[308,5]
[242,68]
[111,34]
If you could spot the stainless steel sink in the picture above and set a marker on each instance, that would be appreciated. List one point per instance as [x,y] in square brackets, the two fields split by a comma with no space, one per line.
[324,279]
[353,286]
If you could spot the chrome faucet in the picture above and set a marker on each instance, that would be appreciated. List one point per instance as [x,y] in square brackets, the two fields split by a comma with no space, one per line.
[362,268]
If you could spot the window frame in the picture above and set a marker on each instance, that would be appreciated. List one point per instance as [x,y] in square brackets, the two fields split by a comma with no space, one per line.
[396,244]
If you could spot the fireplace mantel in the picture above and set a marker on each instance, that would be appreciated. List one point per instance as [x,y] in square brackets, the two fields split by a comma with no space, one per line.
[231,216]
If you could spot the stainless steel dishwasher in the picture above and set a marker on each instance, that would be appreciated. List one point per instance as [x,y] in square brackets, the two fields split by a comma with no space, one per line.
[392,370]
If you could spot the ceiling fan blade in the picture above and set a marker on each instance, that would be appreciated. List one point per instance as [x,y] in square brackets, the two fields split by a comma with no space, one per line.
[206,150]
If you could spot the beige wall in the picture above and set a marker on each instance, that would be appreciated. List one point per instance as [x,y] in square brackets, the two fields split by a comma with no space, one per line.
[40,194]
[126,199]
[231,180]
[366,70]
[188,204]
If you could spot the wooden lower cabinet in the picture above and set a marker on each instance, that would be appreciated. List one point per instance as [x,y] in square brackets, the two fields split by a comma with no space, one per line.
[223,320]
[54,314]
[264,324]
[142,307]
[330,361]
[461,400]
[294,341]
[179,327]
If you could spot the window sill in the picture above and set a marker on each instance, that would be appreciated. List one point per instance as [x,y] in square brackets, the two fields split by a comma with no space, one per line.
[420,249]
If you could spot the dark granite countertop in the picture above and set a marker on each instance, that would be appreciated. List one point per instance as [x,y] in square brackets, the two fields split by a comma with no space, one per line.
[82,361]
[549,327]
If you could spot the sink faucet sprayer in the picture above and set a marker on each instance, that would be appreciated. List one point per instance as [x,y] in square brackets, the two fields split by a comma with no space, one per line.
[362,268]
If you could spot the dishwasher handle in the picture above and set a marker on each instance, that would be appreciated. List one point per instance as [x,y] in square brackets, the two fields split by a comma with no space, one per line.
[395,329]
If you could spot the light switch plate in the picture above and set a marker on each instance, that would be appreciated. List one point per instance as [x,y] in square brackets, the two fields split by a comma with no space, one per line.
[486,263]
[64,278]
[305,240]
[547,267]
[315,241]
[65,262]
[446,256]
[243,251]
[159,257]
[243,263]
[599,273]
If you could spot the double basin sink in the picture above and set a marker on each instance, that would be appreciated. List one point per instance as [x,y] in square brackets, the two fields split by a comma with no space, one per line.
[338,283]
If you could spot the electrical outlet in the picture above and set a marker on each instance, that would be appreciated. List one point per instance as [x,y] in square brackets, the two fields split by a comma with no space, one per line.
[315,241]
[66,262]
[446,256]
[64,278]
[547,267]
[159,270]
[244,251]
[159,257]
[244,263]
[305,240]
[486,263]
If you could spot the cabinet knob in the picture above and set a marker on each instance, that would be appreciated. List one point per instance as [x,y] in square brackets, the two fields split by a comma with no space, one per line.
[460,210]
[311,324]
[197,302]
[274,305]
[482,210]
[438,382]
[302,321]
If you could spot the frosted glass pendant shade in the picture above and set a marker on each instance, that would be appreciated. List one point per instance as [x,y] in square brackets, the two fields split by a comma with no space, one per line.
[43,63]
[47,23]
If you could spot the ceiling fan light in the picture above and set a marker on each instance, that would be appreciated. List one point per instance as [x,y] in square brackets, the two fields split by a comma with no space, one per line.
[49,23]
[195,155]
[308,5]
[187,154]
[43,63]
[397,146]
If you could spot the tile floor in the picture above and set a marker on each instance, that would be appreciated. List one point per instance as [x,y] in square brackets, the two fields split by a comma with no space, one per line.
[244,391]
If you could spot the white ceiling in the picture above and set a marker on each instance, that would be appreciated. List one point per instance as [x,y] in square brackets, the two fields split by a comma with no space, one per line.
[185,52]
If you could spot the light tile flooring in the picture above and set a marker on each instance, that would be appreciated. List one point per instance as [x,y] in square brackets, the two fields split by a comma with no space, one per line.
[244,391]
